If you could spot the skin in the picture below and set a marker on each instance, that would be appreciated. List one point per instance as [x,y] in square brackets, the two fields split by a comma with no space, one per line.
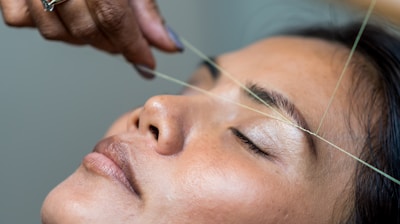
[196,170]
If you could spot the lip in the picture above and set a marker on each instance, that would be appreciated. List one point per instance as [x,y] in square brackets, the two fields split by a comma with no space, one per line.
[110,159]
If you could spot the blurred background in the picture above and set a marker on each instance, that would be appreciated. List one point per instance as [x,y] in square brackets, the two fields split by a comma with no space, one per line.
[57,100]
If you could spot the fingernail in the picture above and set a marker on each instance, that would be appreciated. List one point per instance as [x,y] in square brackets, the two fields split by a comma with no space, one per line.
[175,38]
[142,71]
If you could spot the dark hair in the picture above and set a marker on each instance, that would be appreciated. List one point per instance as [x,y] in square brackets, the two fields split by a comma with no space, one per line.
[375,198]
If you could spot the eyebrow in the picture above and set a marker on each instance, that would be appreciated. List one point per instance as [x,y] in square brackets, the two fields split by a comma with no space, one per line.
[281,103]
[272,98]
[215,73]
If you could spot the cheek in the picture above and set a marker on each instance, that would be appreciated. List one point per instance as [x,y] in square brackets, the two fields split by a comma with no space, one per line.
[230,191]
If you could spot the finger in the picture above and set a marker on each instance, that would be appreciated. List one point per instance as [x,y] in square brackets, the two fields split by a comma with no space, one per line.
[117,20]
[152,25]
[77,19]
[48,23]
[16,13]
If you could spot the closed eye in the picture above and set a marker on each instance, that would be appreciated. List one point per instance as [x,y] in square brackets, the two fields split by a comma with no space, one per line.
[248,143]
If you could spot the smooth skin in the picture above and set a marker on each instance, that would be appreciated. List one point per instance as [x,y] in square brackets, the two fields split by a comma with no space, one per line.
[191,167]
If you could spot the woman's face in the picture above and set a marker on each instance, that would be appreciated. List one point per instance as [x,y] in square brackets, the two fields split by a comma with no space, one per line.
[194,158]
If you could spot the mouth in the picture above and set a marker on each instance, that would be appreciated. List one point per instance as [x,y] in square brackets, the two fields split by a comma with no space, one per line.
[110,159]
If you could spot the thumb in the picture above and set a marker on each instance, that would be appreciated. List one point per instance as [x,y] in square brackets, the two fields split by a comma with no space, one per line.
[153,26]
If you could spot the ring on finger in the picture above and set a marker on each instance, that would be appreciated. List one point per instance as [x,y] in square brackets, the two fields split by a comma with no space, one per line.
[49,5]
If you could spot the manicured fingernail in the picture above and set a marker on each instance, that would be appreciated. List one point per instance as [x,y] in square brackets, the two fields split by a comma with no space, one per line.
[143,71]
[175,38]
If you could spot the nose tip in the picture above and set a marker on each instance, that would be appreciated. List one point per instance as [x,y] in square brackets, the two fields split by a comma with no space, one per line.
[161,119]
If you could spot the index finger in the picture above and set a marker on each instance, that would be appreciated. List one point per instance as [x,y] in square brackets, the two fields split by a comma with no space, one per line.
[117,20]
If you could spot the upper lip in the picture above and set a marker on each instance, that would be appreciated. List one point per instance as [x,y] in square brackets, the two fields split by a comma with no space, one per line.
[118,151]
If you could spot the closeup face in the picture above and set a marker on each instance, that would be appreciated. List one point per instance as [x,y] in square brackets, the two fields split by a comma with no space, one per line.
[194,158]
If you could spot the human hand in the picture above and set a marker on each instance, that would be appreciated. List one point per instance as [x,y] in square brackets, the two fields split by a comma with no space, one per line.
[128,27]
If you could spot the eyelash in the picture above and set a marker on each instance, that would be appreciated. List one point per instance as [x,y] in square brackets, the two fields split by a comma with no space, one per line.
[249,144]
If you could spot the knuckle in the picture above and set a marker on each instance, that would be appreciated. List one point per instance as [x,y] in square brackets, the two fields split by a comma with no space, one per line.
[111,17]
[84,32]
[51,33]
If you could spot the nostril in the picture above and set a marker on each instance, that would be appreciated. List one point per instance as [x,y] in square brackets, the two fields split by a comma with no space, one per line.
[154,131]
[137,123]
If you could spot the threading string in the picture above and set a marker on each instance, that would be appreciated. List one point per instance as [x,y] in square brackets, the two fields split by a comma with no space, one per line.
[353,49]
[229,75]
[171,79]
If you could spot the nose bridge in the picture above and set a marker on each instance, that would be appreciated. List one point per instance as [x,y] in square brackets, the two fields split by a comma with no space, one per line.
[167,118]
[166,107]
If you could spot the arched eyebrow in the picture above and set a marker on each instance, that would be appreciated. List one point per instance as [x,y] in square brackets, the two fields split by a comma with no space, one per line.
[215,73]
[281,103]
[273,98]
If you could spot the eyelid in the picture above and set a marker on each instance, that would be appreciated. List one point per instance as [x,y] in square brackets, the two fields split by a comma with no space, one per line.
[249,144]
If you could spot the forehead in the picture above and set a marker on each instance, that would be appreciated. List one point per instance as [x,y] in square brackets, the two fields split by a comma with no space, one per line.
[305,70]
[304,59]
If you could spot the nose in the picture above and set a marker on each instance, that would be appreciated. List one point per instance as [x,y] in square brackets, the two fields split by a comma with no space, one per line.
[163,119]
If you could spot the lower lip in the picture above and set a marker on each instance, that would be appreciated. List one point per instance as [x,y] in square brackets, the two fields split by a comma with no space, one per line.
[102,165]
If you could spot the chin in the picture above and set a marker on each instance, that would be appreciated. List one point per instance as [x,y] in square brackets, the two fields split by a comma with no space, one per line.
[85,198]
